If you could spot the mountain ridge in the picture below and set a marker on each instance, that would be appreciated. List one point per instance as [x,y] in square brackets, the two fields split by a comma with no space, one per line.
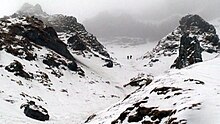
[51,64]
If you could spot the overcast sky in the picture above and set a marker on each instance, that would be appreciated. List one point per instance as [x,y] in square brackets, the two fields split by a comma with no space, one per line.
[149,9]
[80,8]
[161,12]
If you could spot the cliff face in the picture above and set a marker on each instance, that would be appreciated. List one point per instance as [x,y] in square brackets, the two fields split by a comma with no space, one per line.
[36,65]
[194,31]
[186,44]
[189,52]
[66,26]
[21,35]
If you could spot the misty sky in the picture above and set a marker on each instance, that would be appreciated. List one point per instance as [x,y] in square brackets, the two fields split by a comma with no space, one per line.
[158,17]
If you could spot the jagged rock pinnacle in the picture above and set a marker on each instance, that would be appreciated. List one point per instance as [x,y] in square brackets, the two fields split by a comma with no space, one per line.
[28,9]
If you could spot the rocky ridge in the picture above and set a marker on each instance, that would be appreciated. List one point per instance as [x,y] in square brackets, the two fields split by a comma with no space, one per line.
[36,64]
[68,29]
[180,95]
[196,28]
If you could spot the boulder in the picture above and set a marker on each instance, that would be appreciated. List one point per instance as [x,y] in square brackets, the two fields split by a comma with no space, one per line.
[14,66]
[109,63]
[17,68]
[35,111]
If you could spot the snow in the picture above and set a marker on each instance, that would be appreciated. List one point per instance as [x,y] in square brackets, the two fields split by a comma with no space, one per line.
[207,95]
[73,98]
[82,96]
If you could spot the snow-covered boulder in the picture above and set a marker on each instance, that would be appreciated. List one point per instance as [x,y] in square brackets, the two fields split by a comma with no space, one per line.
[35,111]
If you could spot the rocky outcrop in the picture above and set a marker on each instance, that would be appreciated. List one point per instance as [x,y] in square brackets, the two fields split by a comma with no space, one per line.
[140,80]
[28,9]
[109,63]
[189,52]
[35,111]
[68,25]
[76,43]
[200,34]
[17,68]
[195,26]
[26,33]
[46,37]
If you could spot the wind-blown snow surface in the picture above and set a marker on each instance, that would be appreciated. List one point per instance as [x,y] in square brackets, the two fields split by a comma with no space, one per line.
[196,101]
[68,99]
[72,98]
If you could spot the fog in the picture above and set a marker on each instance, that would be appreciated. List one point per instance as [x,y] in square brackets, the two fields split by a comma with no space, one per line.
[150,19]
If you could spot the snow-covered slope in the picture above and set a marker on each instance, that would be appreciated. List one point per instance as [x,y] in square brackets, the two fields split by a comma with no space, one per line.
[57,64]
[68,28]
[174,96]
[36,66]
[189,95]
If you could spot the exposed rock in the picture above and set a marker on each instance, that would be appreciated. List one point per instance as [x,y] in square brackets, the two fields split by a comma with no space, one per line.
[29,10]
[14,66]
[189,52]
[90,118]
[76,43]
[109,63]
[194,26]
[67,24]
[164,90]
[51,32]
[17,68]
[47,37]
[136,114]
[72,66]
[52,61]
[200,25]
[35,111]
[140,80]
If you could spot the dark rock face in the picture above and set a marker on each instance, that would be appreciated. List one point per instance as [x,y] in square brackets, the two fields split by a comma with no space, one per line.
[194,25]
[51,32]
[48,37]
[29,10]
[109,63]
[76,43]
[67,24]
[140,81]
[14,66]
[83,39]
[189,52]
[51,61]
[199,24]
[35,111]
[72,66]
[23,39]
[17,68]
[154,114]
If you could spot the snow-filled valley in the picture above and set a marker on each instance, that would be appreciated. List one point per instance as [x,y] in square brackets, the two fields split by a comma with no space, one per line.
[188,95]
[75,78]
